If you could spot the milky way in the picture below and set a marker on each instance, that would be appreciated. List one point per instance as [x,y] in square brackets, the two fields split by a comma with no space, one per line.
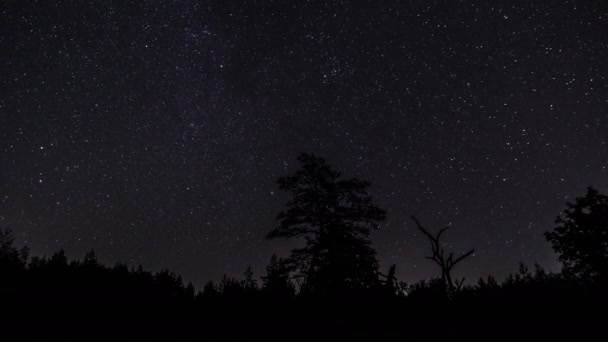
[154,132]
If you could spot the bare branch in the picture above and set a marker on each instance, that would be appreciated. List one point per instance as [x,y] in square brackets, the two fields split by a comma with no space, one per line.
[438,261]
[441,232]
[438,257]
[459,283]
[463,256]
[422,229]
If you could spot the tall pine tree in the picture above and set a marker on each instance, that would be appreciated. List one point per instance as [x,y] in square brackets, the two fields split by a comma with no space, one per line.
[334,216]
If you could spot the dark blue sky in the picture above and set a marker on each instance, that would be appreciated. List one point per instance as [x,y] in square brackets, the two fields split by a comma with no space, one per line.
[154,131]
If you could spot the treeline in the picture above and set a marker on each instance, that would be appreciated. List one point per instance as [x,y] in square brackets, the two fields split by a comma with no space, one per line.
[57,280]
[332,285]
[84,296]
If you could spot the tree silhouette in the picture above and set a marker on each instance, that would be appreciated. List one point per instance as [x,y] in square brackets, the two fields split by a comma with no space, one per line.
[581,237]
[231,288]
[12,260]
[10,256]
[439,257]
[334,216]
[391,284]
[250,285]
[277,283]
[210,289]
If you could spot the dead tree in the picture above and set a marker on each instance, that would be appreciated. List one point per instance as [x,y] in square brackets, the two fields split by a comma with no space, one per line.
[391,281]
[438,256]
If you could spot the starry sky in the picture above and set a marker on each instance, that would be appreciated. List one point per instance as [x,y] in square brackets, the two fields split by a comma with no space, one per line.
[154,131]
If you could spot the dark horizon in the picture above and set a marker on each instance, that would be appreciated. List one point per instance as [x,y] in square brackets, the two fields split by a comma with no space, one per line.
[154,134]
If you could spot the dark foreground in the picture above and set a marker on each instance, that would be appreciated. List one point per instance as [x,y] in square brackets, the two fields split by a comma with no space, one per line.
[399,317]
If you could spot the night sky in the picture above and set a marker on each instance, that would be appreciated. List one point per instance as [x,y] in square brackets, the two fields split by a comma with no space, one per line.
[154,132]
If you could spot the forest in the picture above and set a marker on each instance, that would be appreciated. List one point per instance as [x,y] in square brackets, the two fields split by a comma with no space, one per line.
[332,285]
